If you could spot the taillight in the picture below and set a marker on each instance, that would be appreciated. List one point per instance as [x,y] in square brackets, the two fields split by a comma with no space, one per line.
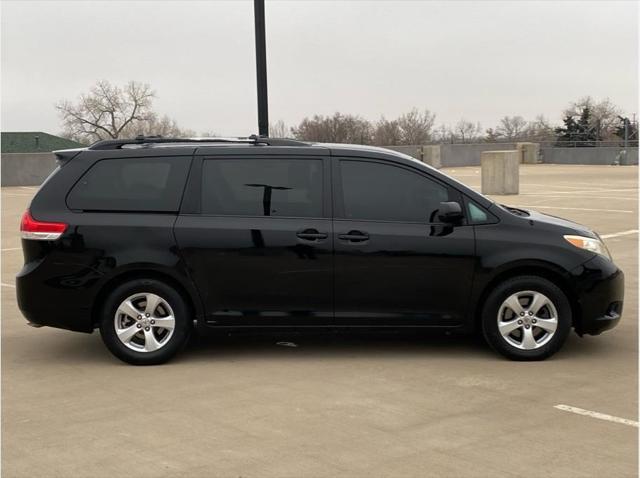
[38,230]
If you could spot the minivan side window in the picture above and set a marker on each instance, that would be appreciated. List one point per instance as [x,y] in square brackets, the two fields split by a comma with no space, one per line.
[262,187]
[131,184]
[382,192]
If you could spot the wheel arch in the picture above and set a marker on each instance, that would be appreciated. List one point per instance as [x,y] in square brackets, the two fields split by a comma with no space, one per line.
[190,296]
[540,269]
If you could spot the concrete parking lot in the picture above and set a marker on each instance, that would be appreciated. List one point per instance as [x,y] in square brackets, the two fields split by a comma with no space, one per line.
[334,405]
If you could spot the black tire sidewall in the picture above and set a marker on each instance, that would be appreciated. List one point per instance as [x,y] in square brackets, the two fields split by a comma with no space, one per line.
[181,331]
[517,284]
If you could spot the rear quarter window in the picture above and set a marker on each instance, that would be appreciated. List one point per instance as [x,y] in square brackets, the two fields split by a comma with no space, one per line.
[131,184]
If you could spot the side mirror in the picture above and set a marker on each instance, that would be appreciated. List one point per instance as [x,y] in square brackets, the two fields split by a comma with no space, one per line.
[450,211]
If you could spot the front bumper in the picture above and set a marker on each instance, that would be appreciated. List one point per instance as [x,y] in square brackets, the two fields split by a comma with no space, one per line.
[599,289]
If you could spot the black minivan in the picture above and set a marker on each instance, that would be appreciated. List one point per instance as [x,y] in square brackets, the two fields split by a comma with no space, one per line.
[146,238]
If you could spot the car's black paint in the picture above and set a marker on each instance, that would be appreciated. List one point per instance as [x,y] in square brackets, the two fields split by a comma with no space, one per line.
[279,271]
[257,270]
[599,291]
[403,274]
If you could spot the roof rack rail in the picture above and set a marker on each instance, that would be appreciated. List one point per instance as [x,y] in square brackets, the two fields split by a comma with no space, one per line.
[277,141]
[149,140]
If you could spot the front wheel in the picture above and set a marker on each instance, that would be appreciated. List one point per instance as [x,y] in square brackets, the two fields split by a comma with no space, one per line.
[526,318]
[145,322]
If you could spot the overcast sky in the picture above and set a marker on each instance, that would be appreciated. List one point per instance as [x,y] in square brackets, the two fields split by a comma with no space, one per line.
[477,60]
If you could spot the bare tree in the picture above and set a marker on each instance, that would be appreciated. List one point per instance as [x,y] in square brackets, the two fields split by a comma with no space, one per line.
[603,115]
[511,127]
[540,130]
[106,111]
[156,126]
[338,128]
[416,126]
[279,130]
[466,131]
[387,133]
[444,134]
[491,135]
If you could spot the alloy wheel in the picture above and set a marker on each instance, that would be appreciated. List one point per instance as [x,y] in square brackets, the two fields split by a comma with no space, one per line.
[527,320]
[144,322]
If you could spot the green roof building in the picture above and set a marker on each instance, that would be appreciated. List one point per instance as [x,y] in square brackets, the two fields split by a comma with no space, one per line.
[34,142]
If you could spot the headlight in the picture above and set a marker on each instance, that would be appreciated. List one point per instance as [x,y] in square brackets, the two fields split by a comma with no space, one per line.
[589,244]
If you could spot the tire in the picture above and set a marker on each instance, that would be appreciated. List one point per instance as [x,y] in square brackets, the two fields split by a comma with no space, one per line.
[518,318]
[136,338]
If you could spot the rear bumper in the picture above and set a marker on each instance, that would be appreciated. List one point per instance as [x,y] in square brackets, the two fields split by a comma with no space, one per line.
[599,288]
[49,295]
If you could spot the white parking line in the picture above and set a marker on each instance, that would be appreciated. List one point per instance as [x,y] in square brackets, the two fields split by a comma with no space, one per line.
[4,284]
[535,206]
[551,195]
[600,416]
[564,186]
[582,188]
[600,185]
[589,191]
[618,234]
[11,249]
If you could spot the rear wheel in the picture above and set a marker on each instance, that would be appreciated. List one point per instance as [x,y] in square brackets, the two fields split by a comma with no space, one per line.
[145,322]
[526,318]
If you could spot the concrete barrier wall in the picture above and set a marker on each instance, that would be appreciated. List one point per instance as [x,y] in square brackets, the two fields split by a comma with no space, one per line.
[30,169]
[429,154]
[604,155]
[411,150]
[26,169]
[529,152]
[457,155]
[451,155]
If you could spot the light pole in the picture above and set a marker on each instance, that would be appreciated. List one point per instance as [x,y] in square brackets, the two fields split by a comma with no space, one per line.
[261,69]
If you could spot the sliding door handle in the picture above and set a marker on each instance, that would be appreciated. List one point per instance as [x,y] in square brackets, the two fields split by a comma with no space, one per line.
[354,236]
[311,235]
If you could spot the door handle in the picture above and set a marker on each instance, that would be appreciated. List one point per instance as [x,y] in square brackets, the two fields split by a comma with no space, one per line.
[311,235]
[354,236]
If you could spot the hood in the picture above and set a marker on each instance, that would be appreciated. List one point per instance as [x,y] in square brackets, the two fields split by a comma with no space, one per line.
[547,219]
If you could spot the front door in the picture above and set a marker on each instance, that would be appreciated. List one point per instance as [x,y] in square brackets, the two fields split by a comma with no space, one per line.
[260,247]
[395,263]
